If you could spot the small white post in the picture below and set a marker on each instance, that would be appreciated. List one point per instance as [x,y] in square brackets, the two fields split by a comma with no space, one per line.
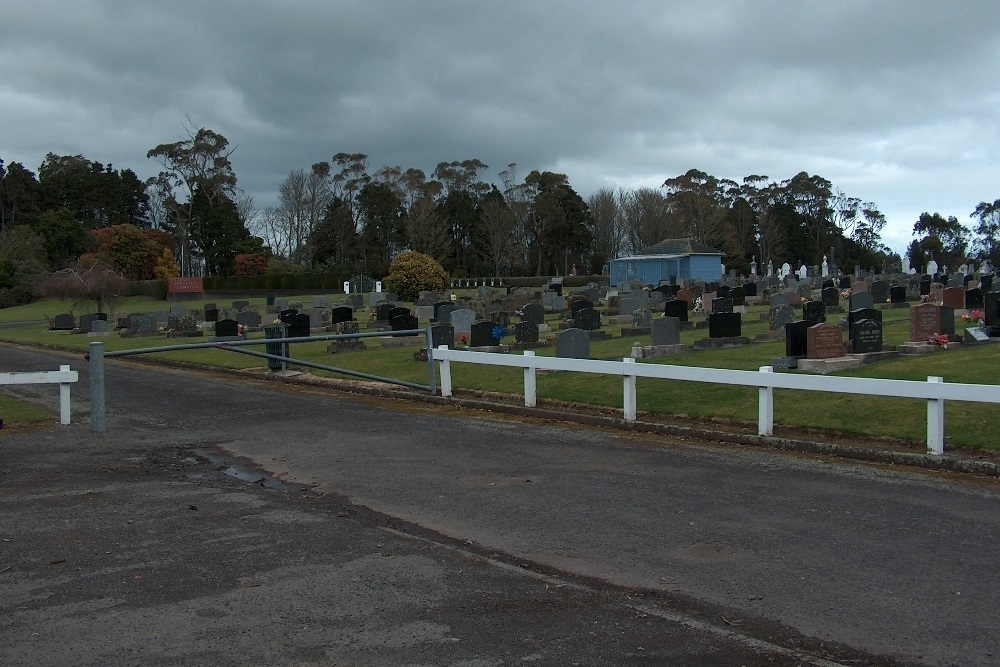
[445,374]
[765,406]
[629,392]
[64,404]
[935,422]
[530,394]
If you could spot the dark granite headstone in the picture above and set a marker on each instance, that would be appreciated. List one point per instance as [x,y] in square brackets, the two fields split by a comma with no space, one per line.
[211,314]
[795,338]
[443,311]
[442,334]
[722,305]
[897,294]
[860,300]
[587,319]
[240,305]
[398,311]
[974,298]
[724,325]
[573,344]
[86,321]
[750,289]
[738,295]
[779,300]
[929,319]
[845,282]
[99,326]
[986,282]
[248,319]
[879,291]
[341,314]
[863,314]
[642,318]
[382,311]
[666,331]
[404,322]
[722,292]
[578,305]
[482,334]
[533,312]
[298,325]
[814,311]
[779,316]
[866,336]
[953,297]
[991,304]
[526,331]
[925,286]
[676,308]
[227,328]
[830,297]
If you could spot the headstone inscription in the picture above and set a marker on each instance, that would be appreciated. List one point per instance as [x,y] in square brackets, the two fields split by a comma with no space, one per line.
[442,334]
[462,319]
[666,331]
[866,336]
[930,319]
[864,314]
[824,341]
[573,344]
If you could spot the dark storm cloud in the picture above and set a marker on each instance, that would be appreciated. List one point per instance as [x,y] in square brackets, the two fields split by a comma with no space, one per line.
[892,101]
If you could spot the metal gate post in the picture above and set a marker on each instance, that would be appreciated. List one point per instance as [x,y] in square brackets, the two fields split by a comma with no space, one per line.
[98,410]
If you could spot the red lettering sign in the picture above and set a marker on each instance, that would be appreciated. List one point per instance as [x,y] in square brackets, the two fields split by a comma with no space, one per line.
[189,284]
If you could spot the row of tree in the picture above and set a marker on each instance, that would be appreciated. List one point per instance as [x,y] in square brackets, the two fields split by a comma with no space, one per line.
[342,216]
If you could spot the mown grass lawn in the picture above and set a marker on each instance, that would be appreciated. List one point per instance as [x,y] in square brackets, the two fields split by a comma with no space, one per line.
[17,413]
[966,424]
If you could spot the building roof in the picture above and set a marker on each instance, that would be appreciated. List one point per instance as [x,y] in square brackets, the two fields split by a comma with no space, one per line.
[679,247]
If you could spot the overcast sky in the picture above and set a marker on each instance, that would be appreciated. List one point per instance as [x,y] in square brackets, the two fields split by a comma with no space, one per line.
[893,102]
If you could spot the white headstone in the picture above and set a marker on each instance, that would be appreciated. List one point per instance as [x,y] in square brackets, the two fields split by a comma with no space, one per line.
[932,267]
[347,287]
[826,267]
[803,272]
[906,265]
[378,285]
[786,270]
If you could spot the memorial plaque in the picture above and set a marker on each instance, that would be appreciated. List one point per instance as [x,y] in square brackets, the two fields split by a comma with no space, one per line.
[824,341]
[866,336]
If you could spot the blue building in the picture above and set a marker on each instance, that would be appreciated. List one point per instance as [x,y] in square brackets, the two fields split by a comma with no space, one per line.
[670,260]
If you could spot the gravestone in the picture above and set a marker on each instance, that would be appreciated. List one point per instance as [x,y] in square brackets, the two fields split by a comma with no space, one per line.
[587,319]
[482,334]
[925,286]
[182,324]
[298,323]
[462,319]
[177,310]
[866,336]
[860,300]
[687,296]
[666,331]
[845,282]
[427,299]
[724,325]
[953,297]
[937,293]
[404,322]
[578,305]
[86,322]
[796,341]
[860,286]
[974,298]
[991,303]
[830,297]
[879,291]
[210,306]
[240,305]
[533,312]
[642,318]
[573,344]
[824,341]
[676,308]
[99,326]
[706,300]
[779,300]
[341,314]
[986,282]
[897,294]
[750,289]
[141,324]
[722,292]
[383,312]
[249,319]
[227,329]
[814,311]
[738,296]
[929,319]
[397,311]
[722,305]
[442,334]
[526,331]
[443,311]
[211,314]
[779,316]
[863,314]
[317,302]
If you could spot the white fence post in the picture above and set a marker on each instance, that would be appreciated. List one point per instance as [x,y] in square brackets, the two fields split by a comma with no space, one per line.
[765,406]
[64,402]
[445,374]
[530,399]
[629,392]
[935,422]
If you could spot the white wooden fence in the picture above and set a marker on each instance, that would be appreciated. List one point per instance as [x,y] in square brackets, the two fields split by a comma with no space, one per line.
[935,391]
[63,377]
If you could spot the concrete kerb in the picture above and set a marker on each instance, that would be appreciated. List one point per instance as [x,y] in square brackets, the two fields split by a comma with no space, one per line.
[482,401]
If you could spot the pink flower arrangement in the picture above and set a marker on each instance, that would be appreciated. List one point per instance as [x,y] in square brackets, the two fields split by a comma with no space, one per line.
[974,317]
[940,340]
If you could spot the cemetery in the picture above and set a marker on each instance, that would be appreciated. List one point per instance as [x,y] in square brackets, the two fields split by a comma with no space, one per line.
[866,325]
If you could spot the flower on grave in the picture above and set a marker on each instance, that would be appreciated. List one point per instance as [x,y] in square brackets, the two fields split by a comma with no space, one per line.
[939,339]
[463,339]
[974,317]
[499,331]
[846,294]
[925,298]
[697,303]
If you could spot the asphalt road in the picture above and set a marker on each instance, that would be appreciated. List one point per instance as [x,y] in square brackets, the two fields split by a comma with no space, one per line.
[733,556]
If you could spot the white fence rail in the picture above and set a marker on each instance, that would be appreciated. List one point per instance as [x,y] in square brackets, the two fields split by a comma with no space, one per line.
[64,377]
[935,391]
